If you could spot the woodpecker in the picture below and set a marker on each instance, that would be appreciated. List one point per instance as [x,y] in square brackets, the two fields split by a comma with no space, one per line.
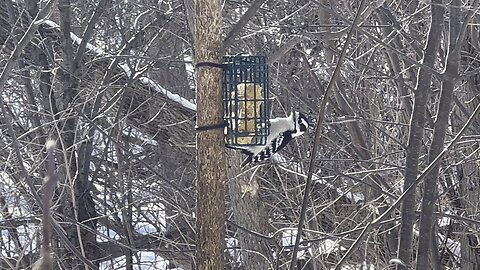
[282,131]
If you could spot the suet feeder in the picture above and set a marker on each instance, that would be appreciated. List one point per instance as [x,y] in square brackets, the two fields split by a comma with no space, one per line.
[246,100]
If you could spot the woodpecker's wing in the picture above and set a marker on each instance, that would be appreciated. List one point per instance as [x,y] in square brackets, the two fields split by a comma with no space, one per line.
[276,145]
[244,151]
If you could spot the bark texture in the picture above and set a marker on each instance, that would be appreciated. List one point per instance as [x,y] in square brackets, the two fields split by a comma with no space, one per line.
[211,172]
[250,213]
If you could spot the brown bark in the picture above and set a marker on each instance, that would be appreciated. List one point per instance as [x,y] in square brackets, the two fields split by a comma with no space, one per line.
[211,173]
[250,213]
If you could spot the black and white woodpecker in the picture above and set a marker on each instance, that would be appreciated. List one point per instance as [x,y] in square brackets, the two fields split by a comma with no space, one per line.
[282,131]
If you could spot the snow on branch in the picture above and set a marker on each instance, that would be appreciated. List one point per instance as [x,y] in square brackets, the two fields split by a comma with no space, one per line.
[144,80]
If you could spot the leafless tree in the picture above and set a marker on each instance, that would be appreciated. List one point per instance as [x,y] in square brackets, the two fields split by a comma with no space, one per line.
[396,175]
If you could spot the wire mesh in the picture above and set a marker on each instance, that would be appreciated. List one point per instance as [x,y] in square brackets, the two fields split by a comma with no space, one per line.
[246,98]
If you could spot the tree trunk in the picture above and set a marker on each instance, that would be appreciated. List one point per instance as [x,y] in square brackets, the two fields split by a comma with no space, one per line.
[78,204]
[469,239]
[422,92]
[427,220]
[250,213]
[211,173]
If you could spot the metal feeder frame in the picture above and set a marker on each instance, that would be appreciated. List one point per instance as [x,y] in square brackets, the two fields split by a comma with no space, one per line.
[246,100]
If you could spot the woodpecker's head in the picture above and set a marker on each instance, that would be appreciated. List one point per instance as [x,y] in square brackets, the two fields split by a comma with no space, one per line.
[301,123]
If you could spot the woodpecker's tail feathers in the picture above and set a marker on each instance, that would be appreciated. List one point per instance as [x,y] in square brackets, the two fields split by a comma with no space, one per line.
[244,151]
[246,161]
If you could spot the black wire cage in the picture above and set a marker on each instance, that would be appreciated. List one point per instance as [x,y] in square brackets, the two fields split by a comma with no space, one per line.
[246,100]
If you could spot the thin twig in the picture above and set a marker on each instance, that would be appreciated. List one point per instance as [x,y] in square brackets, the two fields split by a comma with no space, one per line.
[252,10]
[378,221]
[7,70]
[316,142]
[45,260]
[27,37]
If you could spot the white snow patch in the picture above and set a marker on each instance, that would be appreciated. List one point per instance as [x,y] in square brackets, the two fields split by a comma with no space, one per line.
[356,197]
[453,246]
[289,237]
[327,246]
[106,235]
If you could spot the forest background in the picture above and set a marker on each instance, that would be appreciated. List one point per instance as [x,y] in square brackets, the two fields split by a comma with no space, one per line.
[112,81]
